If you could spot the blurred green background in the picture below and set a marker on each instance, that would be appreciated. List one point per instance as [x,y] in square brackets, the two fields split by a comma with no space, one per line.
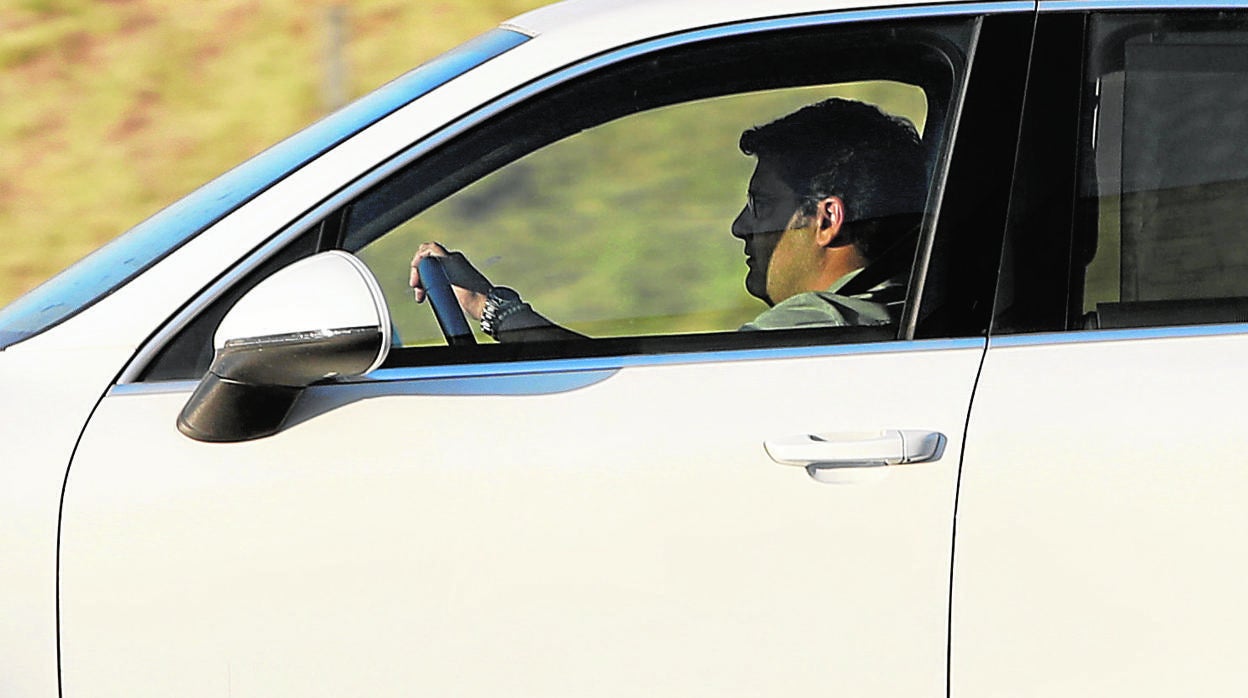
[112,109]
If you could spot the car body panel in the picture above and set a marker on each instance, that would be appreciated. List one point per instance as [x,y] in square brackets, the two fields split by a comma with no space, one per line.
[48,397]
[628,534]
[613,525]
[91,351]
[114,503]
[1101,519]
[616,22]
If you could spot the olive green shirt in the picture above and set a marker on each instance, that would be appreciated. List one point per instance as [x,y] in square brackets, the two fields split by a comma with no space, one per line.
[826,309]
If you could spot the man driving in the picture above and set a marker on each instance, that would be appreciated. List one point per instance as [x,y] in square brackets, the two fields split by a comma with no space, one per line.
[829,226]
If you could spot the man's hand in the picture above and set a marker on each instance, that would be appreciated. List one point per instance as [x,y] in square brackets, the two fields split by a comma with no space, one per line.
[470,285]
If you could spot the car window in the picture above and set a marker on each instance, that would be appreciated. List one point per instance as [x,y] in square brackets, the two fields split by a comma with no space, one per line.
[610,203]
[1133,185]
[622,229]
[1169,172]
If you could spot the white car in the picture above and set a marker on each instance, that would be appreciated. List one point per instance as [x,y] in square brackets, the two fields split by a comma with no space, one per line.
[238,459]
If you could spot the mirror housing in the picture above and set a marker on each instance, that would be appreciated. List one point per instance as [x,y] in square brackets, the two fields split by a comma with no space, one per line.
[320,318]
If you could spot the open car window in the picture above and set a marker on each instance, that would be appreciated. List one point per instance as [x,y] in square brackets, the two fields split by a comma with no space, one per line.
[622,229]
[609,202]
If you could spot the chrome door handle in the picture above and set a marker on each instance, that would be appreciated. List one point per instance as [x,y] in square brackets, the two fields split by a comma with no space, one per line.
[857,449]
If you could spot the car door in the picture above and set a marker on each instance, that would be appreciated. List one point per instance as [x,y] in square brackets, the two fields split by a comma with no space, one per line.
[592,515]
[1101,519]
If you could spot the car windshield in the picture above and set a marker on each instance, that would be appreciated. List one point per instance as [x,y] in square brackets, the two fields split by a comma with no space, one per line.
[111,266]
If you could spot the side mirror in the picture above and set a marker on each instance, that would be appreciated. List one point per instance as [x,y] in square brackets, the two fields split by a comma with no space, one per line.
[322,317]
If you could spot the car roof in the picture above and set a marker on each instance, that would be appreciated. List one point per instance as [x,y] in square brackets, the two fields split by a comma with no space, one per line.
[608,18]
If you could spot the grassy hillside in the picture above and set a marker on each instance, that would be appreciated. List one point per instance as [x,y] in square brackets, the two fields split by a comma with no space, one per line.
[114,109]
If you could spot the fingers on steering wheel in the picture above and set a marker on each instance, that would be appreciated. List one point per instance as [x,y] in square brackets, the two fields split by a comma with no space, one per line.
[426,249]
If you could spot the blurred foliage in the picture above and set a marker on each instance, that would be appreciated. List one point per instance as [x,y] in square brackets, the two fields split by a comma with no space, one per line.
[622,229]
[1103,279]
[112,110]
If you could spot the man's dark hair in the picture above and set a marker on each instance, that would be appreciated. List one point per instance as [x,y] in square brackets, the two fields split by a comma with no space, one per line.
[871,160]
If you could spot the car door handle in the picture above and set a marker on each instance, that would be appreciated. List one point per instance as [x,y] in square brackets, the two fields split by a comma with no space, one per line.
[857,449]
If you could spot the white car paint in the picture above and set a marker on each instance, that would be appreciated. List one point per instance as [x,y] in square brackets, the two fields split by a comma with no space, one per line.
[345,296]
[48,396]
[617,22]
[91,350]
[1101,519]
[617,550]
[631,536]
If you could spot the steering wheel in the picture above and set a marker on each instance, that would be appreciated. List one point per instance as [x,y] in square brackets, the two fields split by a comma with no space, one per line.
[445,305]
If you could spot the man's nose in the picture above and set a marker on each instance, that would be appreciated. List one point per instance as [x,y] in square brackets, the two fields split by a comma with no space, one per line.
[740,229]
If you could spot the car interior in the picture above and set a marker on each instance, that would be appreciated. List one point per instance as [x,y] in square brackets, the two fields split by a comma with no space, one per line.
[1165,179]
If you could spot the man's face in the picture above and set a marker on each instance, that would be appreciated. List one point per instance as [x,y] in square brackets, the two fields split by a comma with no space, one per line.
[770,206]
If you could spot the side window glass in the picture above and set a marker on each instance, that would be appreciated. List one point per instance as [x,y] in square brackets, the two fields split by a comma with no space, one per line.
[776,184]
[627,228]
[1165,172]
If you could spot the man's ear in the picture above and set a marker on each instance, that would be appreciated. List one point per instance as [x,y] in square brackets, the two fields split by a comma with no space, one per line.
[829,218]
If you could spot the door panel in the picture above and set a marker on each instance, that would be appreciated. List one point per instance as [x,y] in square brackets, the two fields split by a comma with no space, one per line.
[1101,521]
[624,537]
[555,527]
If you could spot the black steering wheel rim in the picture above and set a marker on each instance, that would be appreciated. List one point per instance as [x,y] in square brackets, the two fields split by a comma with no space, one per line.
[441,298]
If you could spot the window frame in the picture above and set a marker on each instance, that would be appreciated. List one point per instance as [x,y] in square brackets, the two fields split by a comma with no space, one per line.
[920,55]
[1018,13]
